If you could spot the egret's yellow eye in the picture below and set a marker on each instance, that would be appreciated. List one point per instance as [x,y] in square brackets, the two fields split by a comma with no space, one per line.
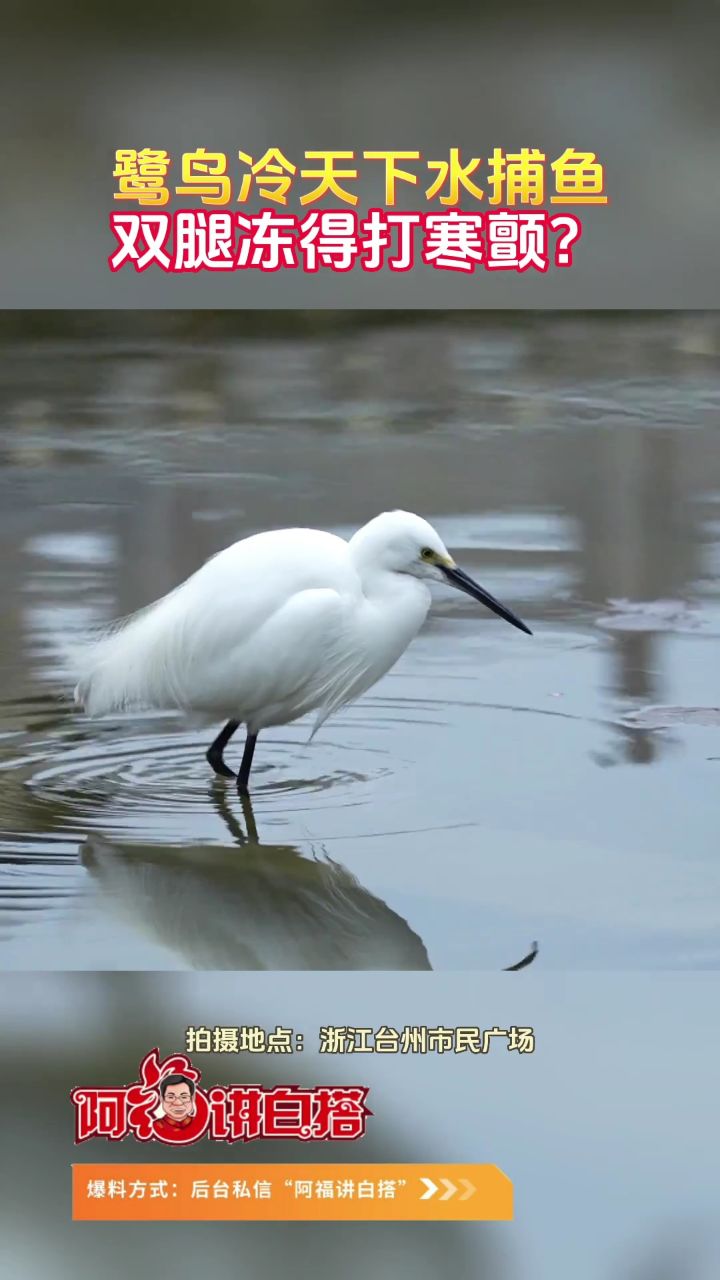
[427,553]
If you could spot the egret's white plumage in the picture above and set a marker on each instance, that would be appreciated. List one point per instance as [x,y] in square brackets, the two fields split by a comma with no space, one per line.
[277,625]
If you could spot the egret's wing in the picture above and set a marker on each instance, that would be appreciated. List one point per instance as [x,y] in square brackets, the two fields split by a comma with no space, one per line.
[295,662]
[233,595]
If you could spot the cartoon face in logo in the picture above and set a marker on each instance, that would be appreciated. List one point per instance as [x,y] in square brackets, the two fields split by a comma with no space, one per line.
[183,1114]
[178,1095]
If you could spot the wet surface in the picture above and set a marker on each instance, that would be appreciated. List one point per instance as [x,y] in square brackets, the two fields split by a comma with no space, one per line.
[493,788]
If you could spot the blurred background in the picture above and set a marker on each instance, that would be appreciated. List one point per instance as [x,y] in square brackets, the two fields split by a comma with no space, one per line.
[492,789]
[636,83]
[612,1121]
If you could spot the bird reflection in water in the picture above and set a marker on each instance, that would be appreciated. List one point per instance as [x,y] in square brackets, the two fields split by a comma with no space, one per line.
[251,905]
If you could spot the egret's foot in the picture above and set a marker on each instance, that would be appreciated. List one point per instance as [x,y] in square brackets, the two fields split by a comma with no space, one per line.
[218,765]
[214,753]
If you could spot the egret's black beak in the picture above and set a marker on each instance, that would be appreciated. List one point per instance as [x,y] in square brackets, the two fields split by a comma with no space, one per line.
[464,582]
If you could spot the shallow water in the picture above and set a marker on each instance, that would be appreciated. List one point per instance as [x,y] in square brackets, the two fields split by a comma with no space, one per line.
[491,790]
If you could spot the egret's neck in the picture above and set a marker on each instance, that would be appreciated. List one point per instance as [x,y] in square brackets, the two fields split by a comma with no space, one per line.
[395,607]
[388,587]
[381,584]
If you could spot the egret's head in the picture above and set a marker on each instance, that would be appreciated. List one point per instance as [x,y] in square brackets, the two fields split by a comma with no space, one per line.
[401,542]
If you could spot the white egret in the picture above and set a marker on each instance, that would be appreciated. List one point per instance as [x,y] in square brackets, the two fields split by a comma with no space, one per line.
[275,626]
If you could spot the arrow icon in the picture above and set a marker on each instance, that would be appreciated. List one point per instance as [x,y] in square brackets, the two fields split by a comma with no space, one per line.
[451,1188]
[431,1189]
[470,1189]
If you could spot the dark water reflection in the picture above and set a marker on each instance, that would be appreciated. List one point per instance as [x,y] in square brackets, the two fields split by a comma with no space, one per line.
[492,789]
[251,905]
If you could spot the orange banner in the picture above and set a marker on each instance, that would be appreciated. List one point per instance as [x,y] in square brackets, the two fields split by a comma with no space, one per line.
[286,1192]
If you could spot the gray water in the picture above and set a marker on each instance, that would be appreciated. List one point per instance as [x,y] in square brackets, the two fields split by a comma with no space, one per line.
[493,789]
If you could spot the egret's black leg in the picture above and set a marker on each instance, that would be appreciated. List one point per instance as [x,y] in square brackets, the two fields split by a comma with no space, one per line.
[244,775]
[215,751]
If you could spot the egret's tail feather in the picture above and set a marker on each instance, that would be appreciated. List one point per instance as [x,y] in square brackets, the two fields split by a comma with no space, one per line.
[135,665]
